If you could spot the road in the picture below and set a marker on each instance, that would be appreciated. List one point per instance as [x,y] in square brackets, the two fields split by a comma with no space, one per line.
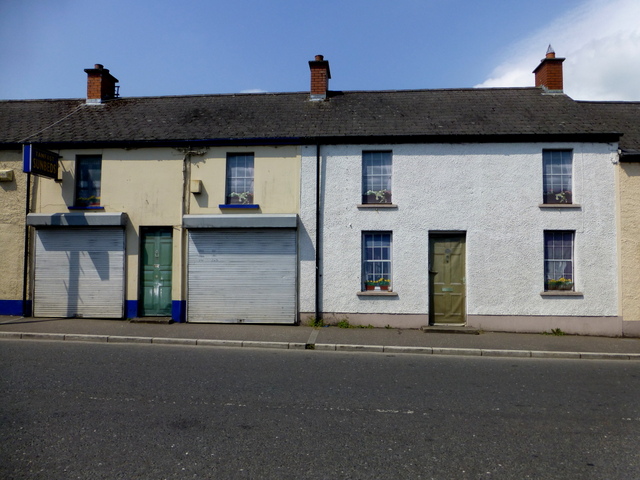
[118,411]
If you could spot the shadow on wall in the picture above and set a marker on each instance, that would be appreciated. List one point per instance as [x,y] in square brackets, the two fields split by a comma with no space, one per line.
[11,186]
[630,169]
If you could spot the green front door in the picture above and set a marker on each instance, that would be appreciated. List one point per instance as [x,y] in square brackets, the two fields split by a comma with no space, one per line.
[447,278]
[156,272]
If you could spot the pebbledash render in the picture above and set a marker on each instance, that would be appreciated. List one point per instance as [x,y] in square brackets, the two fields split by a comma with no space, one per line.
[505,209]
[489,195]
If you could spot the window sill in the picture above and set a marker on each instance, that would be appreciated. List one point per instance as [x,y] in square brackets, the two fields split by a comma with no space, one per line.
[560,205]
[86,208]
[377,293]
[377,205]
[239,205]
[561,293]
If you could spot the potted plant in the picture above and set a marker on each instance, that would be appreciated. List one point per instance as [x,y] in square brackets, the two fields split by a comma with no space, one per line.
[565,284]
[558,197]
[377,196]
[91,201]
[560,284]
[384,283]
[370,284]
[244,198]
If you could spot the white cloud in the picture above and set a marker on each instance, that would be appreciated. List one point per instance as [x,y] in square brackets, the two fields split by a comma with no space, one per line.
[601,43]
[253,90]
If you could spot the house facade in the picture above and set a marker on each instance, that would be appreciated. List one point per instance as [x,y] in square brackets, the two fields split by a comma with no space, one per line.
[465,236]
[142,220]
[503,209]
[157,222]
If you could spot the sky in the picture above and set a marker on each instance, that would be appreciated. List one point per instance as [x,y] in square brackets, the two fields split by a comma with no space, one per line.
[164,47]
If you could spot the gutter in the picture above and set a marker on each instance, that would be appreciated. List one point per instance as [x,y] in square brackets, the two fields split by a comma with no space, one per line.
[25,263]
[627,155]
[595,137]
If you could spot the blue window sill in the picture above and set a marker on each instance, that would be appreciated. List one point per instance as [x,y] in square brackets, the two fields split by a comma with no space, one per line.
[232,206]
[86,208]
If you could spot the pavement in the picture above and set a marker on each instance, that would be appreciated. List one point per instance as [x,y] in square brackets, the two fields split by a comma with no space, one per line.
[429,341]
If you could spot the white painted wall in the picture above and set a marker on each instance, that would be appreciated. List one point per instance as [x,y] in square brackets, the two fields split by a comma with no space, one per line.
[490,191]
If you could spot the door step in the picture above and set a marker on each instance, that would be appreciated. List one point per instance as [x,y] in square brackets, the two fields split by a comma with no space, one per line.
[166,320]
[450,329]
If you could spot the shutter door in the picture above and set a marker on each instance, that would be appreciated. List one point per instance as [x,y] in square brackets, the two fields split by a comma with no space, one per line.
[79,273]
[242,276]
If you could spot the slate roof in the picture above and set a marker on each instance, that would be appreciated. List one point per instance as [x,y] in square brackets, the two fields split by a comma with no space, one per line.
[451,115]
[621,116]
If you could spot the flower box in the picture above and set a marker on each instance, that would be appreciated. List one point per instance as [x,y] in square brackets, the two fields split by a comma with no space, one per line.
[560,284]
[243,198]
[561,197]
[381,196]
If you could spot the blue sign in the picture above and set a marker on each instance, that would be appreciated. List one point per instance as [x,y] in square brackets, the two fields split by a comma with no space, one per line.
[40,162]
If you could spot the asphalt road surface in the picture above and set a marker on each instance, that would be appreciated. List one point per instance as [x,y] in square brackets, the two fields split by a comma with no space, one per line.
[117,411]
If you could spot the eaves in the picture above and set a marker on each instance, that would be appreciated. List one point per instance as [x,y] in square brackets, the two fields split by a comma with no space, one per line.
[597,137]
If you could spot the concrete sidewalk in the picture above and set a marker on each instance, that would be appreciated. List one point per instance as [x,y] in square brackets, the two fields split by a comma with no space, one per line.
[439,342]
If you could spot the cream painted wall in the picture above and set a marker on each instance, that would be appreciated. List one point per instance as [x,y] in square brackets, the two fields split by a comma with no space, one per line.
[629,197]
[12,221]
[276,179]
[146,184]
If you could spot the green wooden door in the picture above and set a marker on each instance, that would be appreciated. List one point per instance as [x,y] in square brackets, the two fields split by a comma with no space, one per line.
[156,272]
[447,279]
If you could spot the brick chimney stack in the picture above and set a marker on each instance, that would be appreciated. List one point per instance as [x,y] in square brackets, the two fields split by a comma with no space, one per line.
[320,75]
[101,85]
[549,72]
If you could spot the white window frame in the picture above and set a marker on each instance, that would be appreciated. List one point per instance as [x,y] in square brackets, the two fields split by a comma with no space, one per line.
[559,260]
[379,252]
[239,188]
[557,177]
[376,182]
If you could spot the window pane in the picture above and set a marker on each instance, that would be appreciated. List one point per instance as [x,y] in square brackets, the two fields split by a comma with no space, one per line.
[557,176]
[88,180]
[239,179]
[376,257]
[376,177]
[558,260]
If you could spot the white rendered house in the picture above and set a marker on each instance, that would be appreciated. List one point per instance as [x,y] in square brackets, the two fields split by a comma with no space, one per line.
[467,236]
[491,208]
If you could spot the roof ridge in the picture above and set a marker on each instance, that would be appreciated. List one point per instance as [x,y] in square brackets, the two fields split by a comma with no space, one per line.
[610,102]
[249,94]
[469,89]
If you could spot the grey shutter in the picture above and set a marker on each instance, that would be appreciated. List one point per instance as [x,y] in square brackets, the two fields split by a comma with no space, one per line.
[79,273]
[245,275]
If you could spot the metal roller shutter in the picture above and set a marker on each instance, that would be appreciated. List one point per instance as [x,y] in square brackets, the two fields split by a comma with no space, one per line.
[242,276]
[79,273]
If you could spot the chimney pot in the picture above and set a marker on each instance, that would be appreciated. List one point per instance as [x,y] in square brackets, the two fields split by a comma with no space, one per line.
[98,66]
[550,52]
[319,58]
[549,72]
